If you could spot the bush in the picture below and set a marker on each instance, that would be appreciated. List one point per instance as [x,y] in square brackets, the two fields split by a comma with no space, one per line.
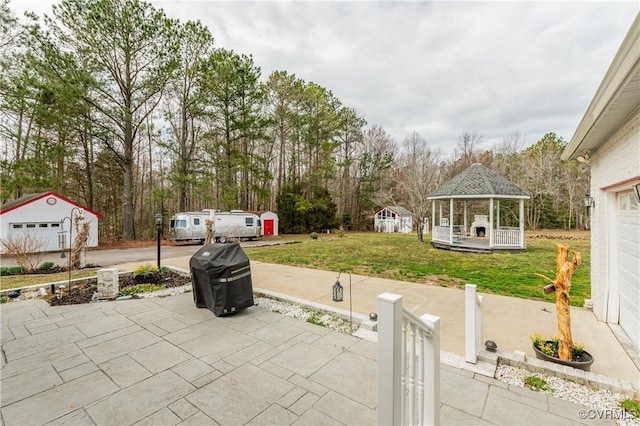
[45,266]
[314,235]
[12,270]
[25,249]
[144,271]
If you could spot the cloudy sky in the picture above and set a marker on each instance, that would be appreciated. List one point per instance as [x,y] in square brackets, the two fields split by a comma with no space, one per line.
[439,68]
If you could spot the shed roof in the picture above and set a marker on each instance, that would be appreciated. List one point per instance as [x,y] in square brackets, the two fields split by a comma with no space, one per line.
[399,210]
[477,181]
[29,198]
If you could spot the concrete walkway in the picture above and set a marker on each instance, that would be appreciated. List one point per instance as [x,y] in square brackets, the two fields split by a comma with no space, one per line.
[162,361]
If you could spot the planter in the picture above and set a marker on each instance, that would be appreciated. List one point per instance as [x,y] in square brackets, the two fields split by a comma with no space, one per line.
[583,363]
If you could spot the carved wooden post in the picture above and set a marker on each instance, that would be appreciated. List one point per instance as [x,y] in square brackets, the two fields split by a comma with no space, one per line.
[562,285]
[208,238]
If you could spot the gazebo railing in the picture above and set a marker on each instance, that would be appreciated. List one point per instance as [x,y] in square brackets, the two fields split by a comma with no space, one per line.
[509,237]
[441,233]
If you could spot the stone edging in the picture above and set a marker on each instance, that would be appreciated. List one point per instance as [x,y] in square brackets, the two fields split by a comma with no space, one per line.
[596,381]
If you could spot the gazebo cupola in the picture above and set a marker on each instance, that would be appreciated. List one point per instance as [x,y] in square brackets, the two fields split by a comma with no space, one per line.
[477,183]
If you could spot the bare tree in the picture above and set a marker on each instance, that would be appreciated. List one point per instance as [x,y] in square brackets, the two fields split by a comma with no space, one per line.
[417,174]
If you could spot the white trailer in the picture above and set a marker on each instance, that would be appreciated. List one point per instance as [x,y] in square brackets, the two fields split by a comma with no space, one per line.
[236,224]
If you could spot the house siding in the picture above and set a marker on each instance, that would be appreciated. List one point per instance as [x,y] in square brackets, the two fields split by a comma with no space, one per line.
[616,161]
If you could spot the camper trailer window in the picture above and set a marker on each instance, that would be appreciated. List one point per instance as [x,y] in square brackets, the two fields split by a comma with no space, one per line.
[248,221]
[181,223]
[196,221]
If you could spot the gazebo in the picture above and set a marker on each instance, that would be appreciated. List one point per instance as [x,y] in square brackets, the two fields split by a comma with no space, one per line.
[485,234]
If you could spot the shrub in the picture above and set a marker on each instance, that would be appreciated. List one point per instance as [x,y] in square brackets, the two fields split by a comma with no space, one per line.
[12,270]
[314,235]
[140,288]
[45,266]
[144,271]
[25,249]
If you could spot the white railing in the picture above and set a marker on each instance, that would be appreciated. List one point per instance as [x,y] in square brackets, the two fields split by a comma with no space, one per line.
[472,323]
[441,233]
[408,365]
[507,237]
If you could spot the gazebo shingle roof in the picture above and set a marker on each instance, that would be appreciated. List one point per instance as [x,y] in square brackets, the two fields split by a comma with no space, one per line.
[477,181]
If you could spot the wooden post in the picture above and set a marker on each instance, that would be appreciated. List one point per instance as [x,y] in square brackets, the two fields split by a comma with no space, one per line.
[208,238]
[562,286]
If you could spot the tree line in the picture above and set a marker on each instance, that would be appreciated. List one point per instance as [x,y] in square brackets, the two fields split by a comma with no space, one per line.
[122,109]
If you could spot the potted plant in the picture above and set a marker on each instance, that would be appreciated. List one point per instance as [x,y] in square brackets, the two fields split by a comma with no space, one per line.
[561,349]
[547,349]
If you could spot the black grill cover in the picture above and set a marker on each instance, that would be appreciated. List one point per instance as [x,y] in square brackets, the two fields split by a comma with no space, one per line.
[221,278]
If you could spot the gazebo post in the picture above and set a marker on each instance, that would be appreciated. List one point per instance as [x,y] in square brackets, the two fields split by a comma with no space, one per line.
[491,222]
[451,221]
[521,220]
[498,214]
[433,219]
[465,217]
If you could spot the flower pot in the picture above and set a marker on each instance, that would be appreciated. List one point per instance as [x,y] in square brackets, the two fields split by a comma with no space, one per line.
[583,363]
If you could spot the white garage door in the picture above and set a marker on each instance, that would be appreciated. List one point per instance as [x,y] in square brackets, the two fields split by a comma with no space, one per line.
[629,265]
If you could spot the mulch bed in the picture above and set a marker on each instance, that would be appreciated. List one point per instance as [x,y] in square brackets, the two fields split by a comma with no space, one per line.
[83,293]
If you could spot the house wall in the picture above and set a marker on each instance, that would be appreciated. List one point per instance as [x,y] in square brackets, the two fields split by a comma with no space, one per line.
[40,212]
[616,161]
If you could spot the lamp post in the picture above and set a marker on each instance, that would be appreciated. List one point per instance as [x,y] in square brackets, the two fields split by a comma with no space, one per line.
[70,217]
[159,232]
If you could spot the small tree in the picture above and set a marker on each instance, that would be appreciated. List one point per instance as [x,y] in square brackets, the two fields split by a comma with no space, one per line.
[25,249]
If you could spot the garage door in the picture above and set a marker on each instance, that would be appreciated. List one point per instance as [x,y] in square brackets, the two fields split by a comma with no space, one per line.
[629,265]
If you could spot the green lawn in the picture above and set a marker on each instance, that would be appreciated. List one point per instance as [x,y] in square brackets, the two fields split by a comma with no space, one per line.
[401,257]
[19,281]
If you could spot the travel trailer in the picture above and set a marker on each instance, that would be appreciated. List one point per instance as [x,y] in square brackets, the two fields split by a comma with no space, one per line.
[236,224]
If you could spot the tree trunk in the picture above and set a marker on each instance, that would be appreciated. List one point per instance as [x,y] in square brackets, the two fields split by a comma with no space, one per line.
[562,285]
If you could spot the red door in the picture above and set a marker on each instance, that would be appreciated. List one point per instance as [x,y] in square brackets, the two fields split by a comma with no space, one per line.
[268,227]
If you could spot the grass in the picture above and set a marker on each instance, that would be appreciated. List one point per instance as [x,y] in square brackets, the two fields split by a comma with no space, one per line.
[18,281]
[401,257]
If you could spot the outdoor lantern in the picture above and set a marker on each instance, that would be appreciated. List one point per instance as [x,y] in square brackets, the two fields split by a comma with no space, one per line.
[589,201]
[158,219]
[337,291]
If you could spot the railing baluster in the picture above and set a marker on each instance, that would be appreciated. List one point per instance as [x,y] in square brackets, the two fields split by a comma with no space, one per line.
[418,355]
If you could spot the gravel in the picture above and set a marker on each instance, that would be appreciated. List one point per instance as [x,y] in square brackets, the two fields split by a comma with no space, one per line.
[600,403]
[306,314]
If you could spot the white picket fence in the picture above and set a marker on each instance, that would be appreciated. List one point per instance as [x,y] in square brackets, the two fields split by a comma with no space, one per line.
[408,365]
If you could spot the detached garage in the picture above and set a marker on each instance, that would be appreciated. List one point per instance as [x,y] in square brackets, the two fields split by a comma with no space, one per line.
[607,140]
[46,217]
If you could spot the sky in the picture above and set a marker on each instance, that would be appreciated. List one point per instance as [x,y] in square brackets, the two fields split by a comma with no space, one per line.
[439,68]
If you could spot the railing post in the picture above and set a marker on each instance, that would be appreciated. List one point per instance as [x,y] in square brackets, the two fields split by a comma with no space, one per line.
[472,323]
[431,362]
[389,359]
